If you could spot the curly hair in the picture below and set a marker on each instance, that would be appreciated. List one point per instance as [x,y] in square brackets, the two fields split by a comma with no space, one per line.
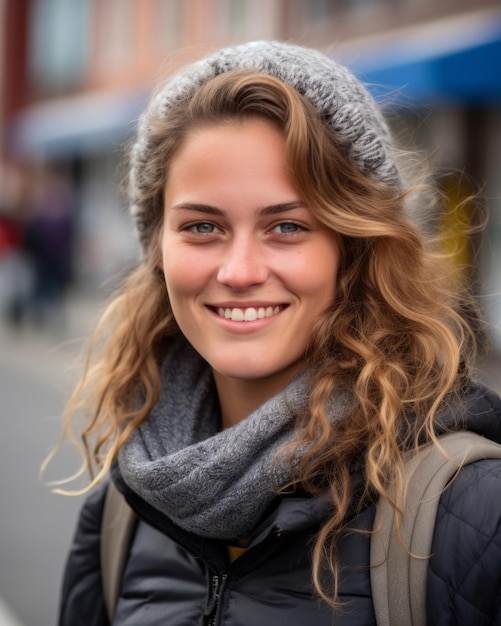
[395,334]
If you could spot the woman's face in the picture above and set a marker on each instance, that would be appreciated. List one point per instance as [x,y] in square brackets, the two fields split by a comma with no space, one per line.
[248,267]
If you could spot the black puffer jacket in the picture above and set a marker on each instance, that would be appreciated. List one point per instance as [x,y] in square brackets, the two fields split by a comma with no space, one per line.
[176,579]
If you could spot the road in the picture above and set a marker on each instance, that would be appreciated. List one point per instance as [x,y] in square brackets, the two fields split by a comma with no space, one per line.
[36,525]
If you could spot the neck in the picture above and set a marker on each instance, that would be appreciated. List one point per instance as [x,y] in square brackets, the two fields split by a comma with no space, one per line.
[239,398]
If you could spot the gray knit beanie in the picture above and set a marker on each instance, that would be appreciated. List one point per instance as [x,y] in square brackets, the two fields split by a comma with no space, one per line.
[349,111]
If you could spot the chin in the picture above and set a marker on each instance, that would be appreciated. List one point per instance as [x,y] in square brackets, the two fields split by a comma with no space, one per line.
[256,372]
[245,373]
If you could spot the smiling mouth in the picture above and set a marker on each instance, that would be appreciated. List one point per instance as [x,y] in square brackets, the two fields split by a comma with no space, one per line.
[249,314]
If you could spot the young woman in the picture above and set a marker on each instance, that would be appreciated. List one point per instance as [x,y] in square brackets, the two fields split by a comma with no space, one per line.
[286,337]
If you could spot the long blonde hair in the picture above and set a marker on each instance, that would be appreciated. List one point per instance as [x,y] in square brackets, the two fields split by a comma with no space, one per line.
[395,333]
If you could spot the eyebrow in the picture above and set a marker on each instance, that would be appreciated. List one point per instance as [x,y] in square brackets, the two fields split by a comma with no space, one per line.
[272,209]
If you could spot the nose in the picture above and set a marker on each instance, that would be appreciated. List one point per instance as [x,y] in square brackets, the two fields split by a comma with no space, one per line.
[243,265]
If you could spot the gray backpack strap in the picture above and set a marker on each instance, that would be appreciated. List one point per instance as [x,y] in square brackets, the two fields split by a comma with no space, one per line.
[398,580]
[117,529]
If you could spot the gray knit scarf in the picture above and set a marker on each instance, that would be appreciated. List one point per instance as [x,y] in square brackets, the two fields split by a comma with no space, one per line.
[210,482]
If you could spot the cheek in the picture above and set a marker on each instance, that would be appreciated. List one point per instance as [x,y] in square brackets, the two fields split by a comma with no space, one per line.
[176,269]
[177,280]
[316,275]
[184,277]
[328,259]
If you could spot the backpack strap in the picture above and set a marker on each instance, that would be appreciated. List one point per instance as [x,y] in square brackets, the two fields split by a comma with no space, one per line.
[398,580]
[117,530]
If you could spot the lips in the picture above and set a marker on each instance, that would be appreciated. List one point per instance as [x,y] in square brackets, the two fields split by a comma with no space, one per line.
[248,314]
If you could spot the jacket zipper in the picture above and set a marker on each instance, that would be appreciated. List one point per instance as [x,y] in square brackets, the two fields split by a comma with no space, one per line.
[217,582]
[211,608]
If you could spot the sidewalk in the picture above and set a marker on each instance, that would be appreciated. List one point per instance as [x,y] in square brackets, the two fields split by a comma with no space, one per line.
[28,348]
[38,374]
[7,618]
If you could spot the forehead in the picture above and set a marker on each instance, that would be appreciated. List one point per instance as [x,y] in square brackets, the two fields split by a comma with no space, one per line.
[245,158]
[232,132]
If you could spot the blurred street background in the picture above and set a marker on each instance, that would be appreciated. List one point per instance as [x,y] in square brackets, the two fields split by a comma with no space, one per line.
[74,76]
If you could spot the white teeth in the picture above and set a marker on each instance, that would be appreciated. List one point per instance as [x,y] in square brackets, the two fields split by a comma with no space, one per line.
[237,315]
[248,315]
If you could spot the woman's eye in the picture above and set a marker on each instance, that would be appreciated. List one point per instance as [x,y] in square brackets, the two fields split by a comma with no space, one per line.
[203,228]
[287,228]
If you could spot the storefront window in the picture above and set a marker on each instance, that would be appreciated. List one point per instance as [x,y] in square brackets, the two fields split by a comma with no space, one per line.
[170,23]
[58,39]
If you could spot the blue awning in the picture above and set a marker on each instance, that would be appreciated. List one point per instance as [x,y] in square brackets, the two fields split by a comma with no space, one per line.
[456,60]
[82,124]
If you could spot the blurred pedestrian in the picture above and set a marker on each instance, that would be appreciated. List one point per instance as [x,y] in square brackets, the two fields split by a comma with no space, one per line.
[286,337]
[48,244]
[16,272]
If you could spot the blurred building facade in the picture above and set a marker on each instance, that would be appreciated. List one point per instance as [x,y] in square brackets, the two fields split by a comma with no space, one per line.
[76,74]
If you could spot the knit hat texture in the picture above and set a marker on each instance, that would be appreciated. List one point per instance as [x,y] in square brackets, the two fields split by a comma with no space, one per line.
[347,108]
